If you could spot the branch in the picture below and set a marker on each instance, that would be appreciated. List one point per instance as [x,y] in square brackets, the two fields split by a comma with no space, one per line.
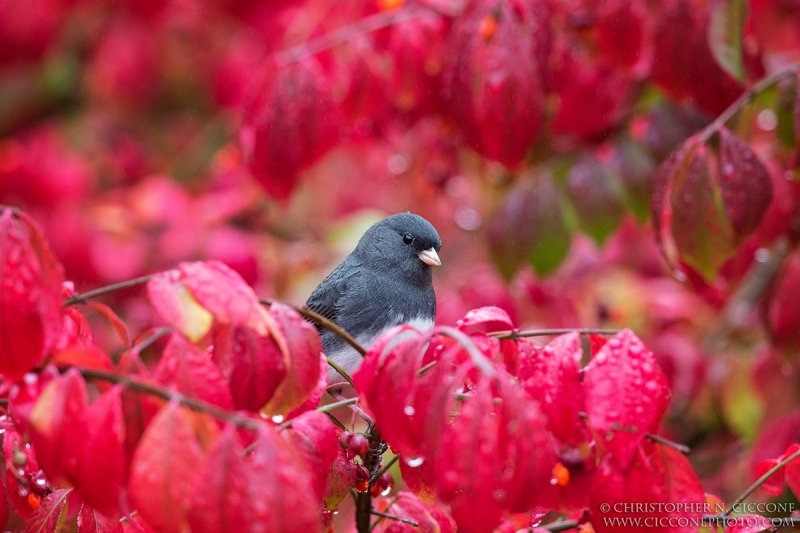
[320,320]
[394,517]
[760,481]
[748,97]
[166,394]
[81,298]
[656,438]
[506,335]
[384,469]
[752,287]
[372,461]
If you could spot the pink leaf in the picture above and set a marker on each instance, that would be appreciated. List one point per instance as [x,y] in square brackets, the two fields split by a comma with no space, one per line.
[253,364]
[301,347]
[626,395]
[192,373]
[47,516]
[30,307]
[89,521]
[486,320]
[164,468]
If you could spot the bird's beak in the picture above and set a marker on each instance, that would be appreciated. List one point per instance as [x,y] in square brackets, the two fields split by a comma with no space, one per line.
[430,257]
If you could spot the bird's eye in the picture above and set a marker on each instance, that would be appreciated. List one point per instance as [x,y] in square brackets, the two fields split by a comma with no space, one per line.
[408,238]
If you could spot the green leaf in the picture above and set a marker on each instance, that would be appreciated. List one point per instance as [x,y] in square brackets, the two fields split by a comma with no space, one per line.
[551,237]
[701,230]
[725,34]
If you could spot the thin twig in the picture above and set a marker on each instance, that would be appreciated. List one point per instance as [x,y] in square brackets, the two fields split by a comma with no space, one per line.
[685,450]
[755,282]
[372,461]
[760,481]
[166,394]
[505,335]
[317,318]
[395,517]
[153,338]
[748,97]
[322,409]
[656,438]
[81,298]
[384,468]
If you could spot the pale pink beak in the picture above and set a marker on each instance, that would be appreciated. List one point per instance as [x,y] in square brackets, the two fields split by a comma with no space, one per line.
[430,257]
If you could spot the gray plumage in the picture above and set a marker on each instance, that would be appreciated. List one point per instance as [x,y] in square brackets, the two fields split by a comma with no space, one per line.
[384,282]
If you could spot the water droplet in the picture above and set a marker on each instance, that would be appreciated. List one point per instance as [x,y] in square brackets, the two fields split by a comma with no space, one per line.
[277,419]
[409,410]
[398,163]
[679,275]
[30,378]
[386,491]
[414,462]
[761,255]
[499,495]
[767,120]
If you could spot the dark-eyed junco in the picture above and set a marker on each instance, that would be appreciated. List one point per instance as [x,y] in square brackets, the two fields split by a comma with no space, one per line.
[384,282]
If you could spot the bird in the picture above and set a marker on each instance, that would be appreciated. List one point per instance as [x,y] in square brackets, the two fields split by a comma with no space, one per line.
[386,280]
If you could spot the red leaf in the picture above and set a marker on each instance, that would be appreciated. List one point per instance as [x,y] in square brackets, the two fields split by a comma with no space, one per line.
[494,75]
[223,292]
[622,32]
[746,184]
[783,312]
[291,125]
[23,458]
[89,521]
[553,377]
[494,457]
[253,364]
[82,356]
[24,394]
[217,503]
[774,483]
[192,373]
[596,342]
[55,425]
[594,95]
[659,481]
[430,518]
[301,347]
[30,307]
[687,211]
[792,468]
[313,436]
[283,499]
[341,478]
[685,67]
[419,479]
[485,320]
[322,385]
[163,469]
[102,472]
[47,516]
[749,523]
[175,304]
[4,507]
[119,327]
[410,410]
[626,395]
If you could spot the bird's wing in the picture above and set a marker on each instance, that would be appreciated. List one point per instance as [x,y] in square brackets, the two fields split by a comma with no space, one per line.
[325,299]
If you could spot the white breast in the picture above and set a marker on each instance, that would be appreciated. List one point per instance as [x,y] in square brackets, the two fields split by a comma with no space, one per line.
[349,359]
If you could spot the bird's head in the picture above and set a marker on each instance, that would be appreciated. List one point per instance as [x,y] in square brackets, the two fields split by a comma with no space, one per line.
[405,242]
